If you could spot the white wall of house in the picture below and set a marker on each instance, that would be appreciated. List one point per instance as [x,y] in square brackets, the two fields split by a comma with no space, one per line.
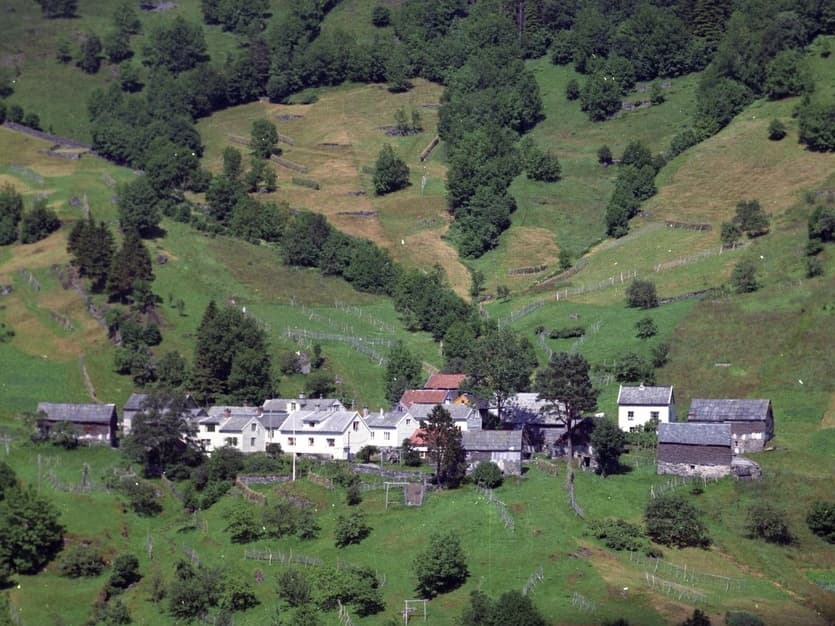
[251,437]
[307,440]
[632,417]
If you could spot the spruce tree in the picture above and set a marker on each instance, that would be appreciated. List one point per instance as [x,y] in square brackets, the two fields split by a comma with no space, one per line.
[92,247]
[205,383]
[132,263]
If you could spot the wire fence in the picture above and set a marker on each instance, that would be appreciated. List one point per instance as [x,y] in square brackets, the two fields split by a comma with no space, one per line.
[524,311]
[579,601]
[285,558]
[681,592]
[501,507]
[533,580]
[366,317]
[684,574]
[363,345]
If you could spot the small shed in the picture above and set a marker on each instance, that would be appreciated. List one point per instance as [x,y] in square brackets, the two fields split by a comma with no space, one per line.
[687,449]
[751,421]
[95,423]
[503,447]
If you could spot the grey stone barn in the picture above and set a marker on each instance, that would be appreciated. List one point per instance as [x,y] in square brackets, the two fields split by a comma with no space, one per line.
[752,421]
[95,423]
[687,449]
[503,447]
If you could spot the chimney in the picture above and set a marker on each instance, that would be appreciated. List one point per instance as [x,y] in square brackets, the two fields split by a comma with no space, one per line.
[301,396]
[365,411]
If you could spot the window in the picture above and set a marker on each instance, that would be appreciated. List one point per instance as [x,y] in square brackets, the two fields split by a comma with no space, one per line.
[630,415]
[331,443]
[310,441]
[356,426]
[291,441]
[408,421]
[654,415]
[253,426]
[210,428]
[387,435]
[252,442]
[372,434]
[232,441]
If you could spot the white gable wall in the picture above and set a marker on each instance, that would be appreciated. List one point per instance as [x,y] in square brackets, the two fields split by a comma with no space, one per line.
[633,417]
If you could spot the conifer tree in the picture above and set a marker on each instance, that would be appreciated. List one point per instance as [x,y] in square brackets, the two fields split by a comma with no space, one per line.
[92,247]
[132,263]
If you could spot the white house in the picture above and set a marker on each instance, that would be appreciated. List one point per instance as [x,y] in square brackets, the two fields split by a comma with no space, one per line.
[277,410]
[638,405]
[328,431]
[236,426]
[388,430]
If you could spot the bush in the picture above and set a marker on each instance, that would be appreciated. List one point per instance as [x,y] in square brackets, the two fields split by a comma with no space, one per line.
[542,166]
[814,267]
[671,520]
[213,492]
[604,155]
[742,618]
[618,534]
[353,495]
[645,328]
[767,523]
[442,566]
[776,130]
[821,520]
[142,496]
[32,121]
[567,333]
[125,572]
[390,172]
[487,474]
[641,294]
[631,367]
[351,529]
[751,218]
[572,89]
[294,587]
[366,452]
[380,16]
[744,276]
[81,561]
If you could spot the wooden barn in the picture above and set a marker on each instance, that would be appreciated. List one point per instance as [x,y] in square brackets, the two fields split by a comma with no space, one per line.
[752,421]
[503,447]
[95,423]
[687,449]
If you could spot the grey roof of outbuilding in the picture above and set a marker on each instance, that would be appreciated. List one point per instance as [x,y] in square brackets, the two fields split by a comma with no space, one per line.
[136,402]
[695,434]
[707,410]
[527,408]
[85,413]
[496,440]
[247,411]
[643,395]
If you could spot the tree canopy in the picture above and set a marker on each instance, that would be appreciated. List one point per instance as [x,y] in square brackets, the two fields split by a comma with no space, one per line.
[443,443]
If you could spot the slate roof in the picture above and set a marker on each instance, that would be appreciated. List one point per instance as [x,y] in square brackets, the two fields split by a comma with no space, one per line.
[80,413]
[450,382]
[423,396]
[136,402]
[695,434]
[643,395]
[335,421]
[527,408]
[705,410]
[235,424]
[283,405]
[458,412]
[273,420]
[388,419]
[493,440]
[228,411]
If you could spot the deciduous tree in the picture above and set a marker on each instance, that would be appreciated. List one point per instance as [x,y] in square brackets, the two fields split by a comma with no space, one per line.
[442,566]
[403,371]
[443,443]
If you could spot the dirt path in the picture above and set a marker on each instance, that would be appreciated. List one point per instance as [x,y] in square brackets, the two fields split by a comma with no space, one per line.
[91,391]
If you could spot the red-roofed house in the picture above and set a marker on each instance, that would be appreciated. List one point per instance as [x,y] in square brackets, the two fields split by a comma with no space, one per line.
[418,441]
[449,382]
[425,396]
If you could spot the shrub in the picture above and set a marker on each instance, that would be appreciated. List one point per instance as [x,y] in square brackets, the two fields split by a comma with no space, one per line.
[751,218]
[542,166]
[142,496]
[744,276]
[814,267]
[767,523]
[390,172]
[353,495]
[306,182]
[742,618]
[125,572]
[821,520]
[572,89]
[213,492]
[671,520]
[697,619]
[641,294]
[32,121]
[776,130]
[380,16]
[604,155]
[294,587]
[730,233]
[567,333]
[442,566]
[82,560]
[646,328]
[631,367]
[487,474]
[366,452]
[618,534]
[351,529]
[237,595]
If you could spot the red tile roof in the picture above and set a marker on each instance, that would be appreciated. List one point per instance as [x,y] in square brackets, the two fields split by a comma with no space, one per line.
[445,381]
[423,396]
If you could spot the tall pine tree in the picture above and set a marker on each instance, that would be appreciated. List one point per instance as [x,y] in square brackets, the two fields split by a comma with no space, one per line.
[91,246]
